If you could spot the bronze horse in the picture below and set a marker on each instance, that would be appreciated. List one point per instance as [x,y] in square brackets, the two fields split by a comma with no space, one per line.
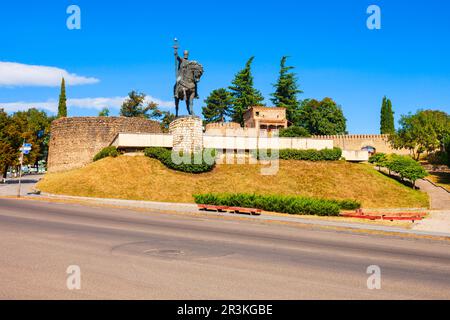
[186,85]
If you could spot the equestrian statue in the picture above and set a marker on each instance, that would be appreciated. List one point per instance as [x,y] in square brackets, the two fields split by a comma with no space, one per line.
[188,74]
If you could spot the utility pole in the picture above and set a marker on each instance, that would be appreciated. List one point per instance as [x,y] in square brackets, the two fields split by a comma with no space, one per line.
[20,174]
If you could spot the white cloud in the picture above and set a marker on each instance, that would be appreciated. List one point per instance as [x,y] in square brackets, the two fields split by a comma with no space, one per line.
[85,103]
[20,106]
[18,74]
[96,103]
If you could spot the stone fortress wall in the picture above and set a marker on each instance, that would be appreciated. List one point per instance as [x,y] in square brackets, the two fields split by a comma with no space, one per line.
[353,142]
[75,141]
[359,141]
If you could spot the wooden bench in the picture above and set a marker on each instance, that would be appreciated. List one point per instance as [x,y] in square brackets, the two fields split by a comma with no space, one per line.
[209,207]
[251,211]
[404,216]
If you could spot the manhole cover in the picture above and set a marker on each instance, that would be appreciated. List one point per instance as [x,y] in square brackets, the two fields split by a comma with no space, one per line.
[164,252]
[172,249]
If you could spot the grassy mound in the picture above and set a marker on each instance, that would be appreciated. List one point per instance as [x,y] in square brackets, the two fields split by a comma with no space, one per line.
[142,178]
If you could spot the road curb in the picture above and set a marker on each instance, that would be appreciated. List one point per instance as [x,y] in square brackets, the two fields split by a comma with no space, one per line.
[193,209]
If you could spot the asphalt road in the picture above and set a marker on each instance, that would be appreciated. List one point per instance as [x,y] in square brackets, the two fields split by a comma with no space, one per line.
[126,254]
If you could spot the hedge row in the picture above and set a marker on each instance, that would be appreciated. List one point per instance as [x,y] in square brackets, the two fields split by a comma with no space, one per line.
[106,152]
[404,166]
[278,203]
[193,163]
[307,155]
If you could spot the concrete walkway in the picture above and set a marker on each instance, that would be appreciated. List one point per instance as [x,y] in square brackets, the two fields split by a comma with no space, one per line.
[439,197]
[439,219]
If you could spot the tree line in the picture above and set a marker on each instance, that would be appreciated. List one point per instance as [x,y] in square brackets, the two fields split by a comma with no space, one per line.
[314,117]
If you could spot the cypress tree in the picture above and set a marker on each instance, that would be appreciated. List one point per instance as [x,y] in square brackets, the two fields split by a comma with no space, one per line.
[62,106]
[243,93]
[218,106]
[387,117]
[390,118]
[286,91]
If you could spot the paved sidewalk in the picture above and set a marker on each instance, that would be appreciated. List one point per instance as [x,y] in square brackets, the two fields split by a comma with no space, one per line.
[439,198]
[438,221]
[193,209]
[10,188]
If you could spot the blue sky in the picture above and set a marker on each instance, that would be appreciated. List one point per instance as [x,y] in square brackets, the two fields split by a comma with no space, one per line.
[128,45]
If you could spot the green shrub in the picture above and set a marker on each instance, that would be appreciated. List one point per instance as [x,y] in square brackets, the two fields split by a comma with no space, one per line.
[193,163]
[348,204]
[294,132]
[107,152]
[279,203]
[306,155]
[438,158]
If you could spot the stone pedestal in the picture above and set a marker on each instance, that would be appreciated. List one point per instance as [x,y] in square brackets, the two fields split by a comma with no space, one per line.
[187,133]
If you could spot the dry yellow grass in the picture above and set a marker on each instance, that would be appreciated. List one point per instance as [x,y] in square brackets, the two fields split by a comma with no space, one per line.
[141,178]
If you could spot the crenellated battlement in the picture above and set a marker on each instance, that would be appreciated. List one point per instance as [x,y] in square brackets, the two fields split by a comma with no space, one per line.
[354,136]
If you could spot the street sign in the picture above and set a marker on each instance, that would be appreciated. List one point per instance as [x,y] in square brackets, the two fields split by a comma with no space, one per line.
[26,148]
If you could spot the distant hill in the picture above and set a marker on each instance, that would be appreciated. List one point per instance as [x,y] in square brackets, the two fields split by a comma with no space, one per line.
[142,178]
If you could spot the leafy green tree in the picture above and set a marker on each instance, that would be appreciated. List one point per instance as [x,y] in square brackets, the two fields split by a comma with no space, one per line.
[286,91]
[322,117]
[424,131]
[33,126]
[243,93]
[133,106]
[8,145]
[104,112]
[218,106]
[380,160]
[294,131]
[8,156]
[62,105]
[165,117]
[447,149]
[406,168]
[387,117]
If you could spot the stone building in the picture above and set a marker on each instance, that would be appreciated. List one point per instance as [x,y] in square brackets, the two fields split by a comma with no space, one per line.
[265,118]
